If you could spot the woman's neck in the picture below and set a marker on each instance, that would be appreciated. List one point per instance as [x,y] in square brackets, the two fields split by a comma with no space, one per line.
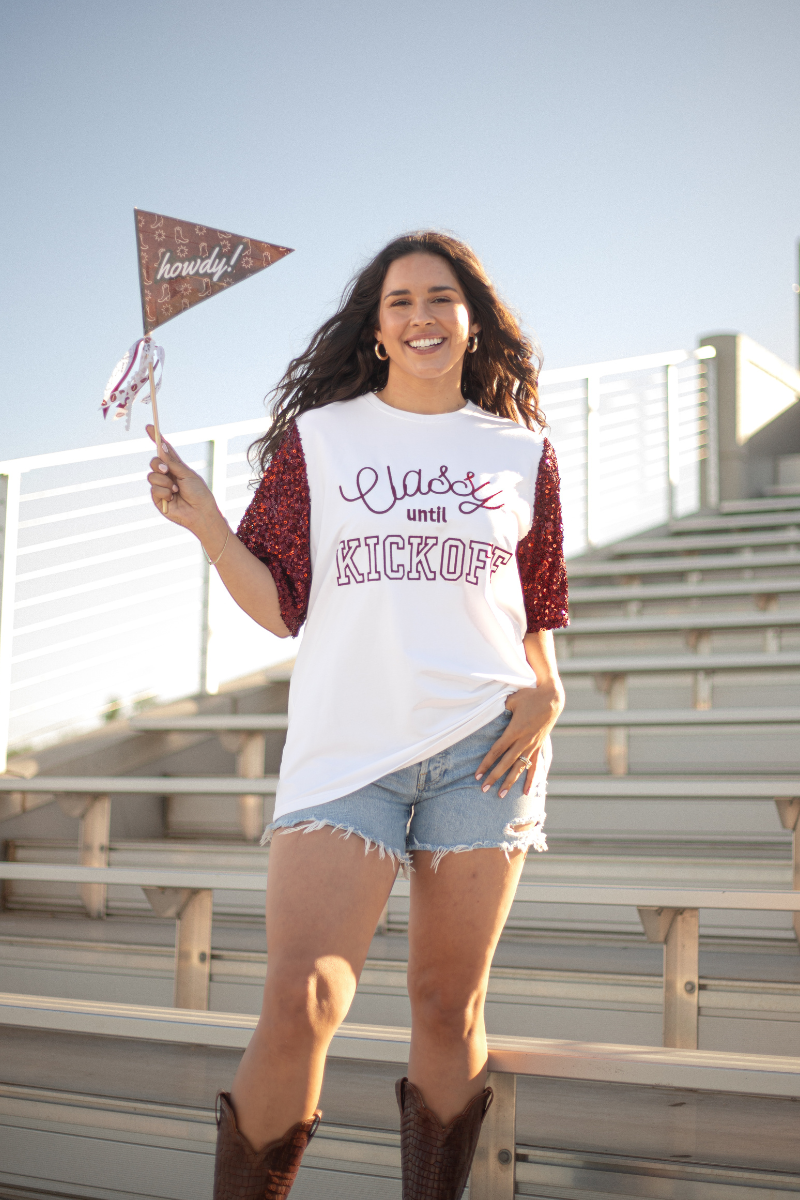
[426,396]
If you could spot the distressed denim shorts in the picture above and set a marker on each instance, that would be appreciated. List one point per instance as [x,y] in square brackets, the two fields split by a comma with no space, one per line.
[437,805]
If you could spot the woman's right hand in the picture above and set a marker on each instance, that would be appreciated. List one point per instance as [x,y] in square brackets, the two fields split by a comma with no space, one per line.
[190,502]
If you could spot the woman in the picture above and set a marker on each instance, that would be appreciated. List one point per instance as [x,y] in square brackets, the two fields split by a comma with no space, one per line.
[409,515]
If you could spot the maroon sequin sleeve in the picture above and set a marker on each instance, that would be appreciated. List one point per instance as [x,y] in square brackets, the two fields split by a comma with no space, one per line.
[276,528]
[540,554]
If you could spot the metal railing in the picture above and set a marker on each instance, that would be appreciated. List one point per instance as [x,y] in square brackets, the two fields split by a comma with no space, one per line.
[636,442]
[103,606]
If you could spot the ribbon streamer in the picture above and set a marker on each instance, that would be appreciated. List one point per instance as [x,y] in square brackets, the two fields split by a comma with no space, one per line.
[130,379]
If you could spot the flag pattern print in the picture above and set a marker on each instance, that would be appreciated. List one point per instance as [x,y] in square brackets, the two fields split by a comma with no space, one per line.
[182,263]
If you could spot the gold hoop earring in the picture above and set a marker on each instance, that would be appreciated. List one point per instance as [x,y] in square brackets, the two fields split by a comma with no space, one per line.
[472,343]
[383,357]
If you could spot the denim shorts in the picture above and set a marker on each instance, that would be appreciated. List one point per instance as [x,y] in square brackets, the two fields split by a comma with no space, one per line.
[437,805]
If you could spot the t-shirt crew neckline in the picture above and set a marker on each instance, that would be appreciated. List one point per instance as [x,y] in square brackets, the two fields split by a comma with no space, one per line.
[419,418]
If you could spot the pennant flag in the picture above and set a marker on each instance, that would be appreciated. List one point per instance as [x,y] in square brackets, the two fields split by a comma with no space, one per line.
[182,264]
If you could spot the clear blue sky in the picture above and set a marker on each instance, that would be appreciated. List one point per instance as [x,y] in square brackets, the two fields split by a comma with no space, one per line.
[629,171]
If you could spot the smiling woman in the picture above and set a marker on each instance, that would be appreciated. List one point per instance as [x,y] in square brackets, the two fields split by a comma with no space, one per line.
[347,357]
[423,694]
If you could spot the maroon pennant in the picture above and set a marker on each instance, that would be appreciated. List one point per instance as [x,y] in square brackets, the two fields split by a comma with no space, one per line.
[181,264]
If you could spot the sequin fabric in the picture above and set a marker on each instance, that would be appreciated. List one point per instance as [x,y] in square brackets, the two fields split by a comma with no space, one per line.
[436,1159]
[540,554]
[276,528]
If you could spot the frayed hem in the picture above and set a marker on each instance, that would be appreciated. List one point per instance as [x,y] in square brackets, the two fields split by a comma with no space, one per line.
[524,840]
[306,825]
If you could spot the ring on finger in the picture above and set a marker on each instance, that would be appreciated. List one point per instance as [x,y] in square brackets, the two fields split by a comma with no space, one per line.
[526,761]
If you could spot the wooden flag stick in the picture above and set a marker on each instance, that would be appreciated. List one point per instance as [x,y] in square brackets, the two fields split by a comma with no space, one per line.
[164,503]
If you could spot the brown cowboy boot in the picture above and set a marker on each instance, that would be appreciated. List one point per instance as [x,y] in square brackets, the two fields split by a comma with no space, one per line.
[437,1158]
[242,1173]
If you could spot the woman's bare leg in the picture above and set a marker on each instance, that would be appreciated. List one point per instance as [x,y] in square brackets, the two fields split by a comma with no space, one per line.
[324,898]
[457,916]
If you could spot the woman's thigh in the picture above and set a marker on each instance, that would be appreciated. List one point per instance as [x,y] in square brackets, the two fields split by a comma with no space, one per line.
[325,894]
[456,917]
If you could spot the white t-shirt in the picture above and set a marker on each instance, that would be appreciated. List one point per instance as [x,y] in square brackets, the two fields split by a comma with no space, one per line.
[396,536]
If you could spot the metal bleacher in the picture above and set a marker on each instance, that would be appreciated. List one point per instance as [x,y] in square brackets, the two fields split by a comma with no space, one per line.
[644,1003]
[664,913]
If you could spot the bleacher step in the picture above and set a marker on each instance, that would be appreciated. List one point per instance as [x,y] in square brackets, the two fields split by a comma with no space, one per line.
[595,1005]
[705,1127]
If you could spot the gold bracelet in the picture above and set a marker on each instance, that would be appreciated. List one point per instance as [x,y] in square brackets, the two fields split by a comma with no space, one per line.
[213,562]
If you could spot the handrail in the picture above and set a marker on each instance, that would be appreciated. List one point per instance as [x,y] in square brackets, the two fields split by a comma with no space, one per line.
[186,437]
[616,366]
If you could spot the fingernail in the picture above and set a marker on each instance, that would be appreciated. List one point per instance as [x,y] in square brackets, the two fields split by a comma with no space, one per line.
[479,777]
[163,467]
[504,793]
[485,787]
[174,487]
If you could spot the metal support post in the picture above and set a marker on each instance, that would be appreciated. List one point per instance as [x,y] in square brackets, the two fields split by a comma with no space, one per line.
[709,466]
[94,838]
[673,442]
[494,1166]
[772,641]
[703,690]
[616,690]
[789,812]
[250,765]
[213,590]
[192,911]
[9,524]
[678,930]
[193,952]
[592,454]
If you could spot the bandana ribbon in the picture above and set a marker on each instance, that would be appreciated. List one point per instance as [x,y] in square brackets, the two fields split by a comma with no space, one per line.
[130,379]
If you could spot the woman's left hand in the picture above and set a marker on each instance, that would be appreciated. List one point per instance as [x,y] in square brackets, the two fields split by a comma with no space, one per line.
[534,712]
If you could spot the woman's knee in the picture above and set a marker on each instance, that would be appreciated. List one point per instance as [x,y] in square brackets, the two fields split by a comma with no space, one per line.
[308,1003]
[448,1006]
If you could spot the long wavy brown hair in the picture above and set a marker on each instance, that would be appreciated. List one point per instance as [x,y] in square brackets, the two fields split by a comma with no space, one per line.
[340,362]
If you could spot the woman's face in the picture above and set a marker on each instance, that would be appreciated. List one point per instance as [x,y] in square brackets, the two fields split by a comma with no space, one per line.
[424,319]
